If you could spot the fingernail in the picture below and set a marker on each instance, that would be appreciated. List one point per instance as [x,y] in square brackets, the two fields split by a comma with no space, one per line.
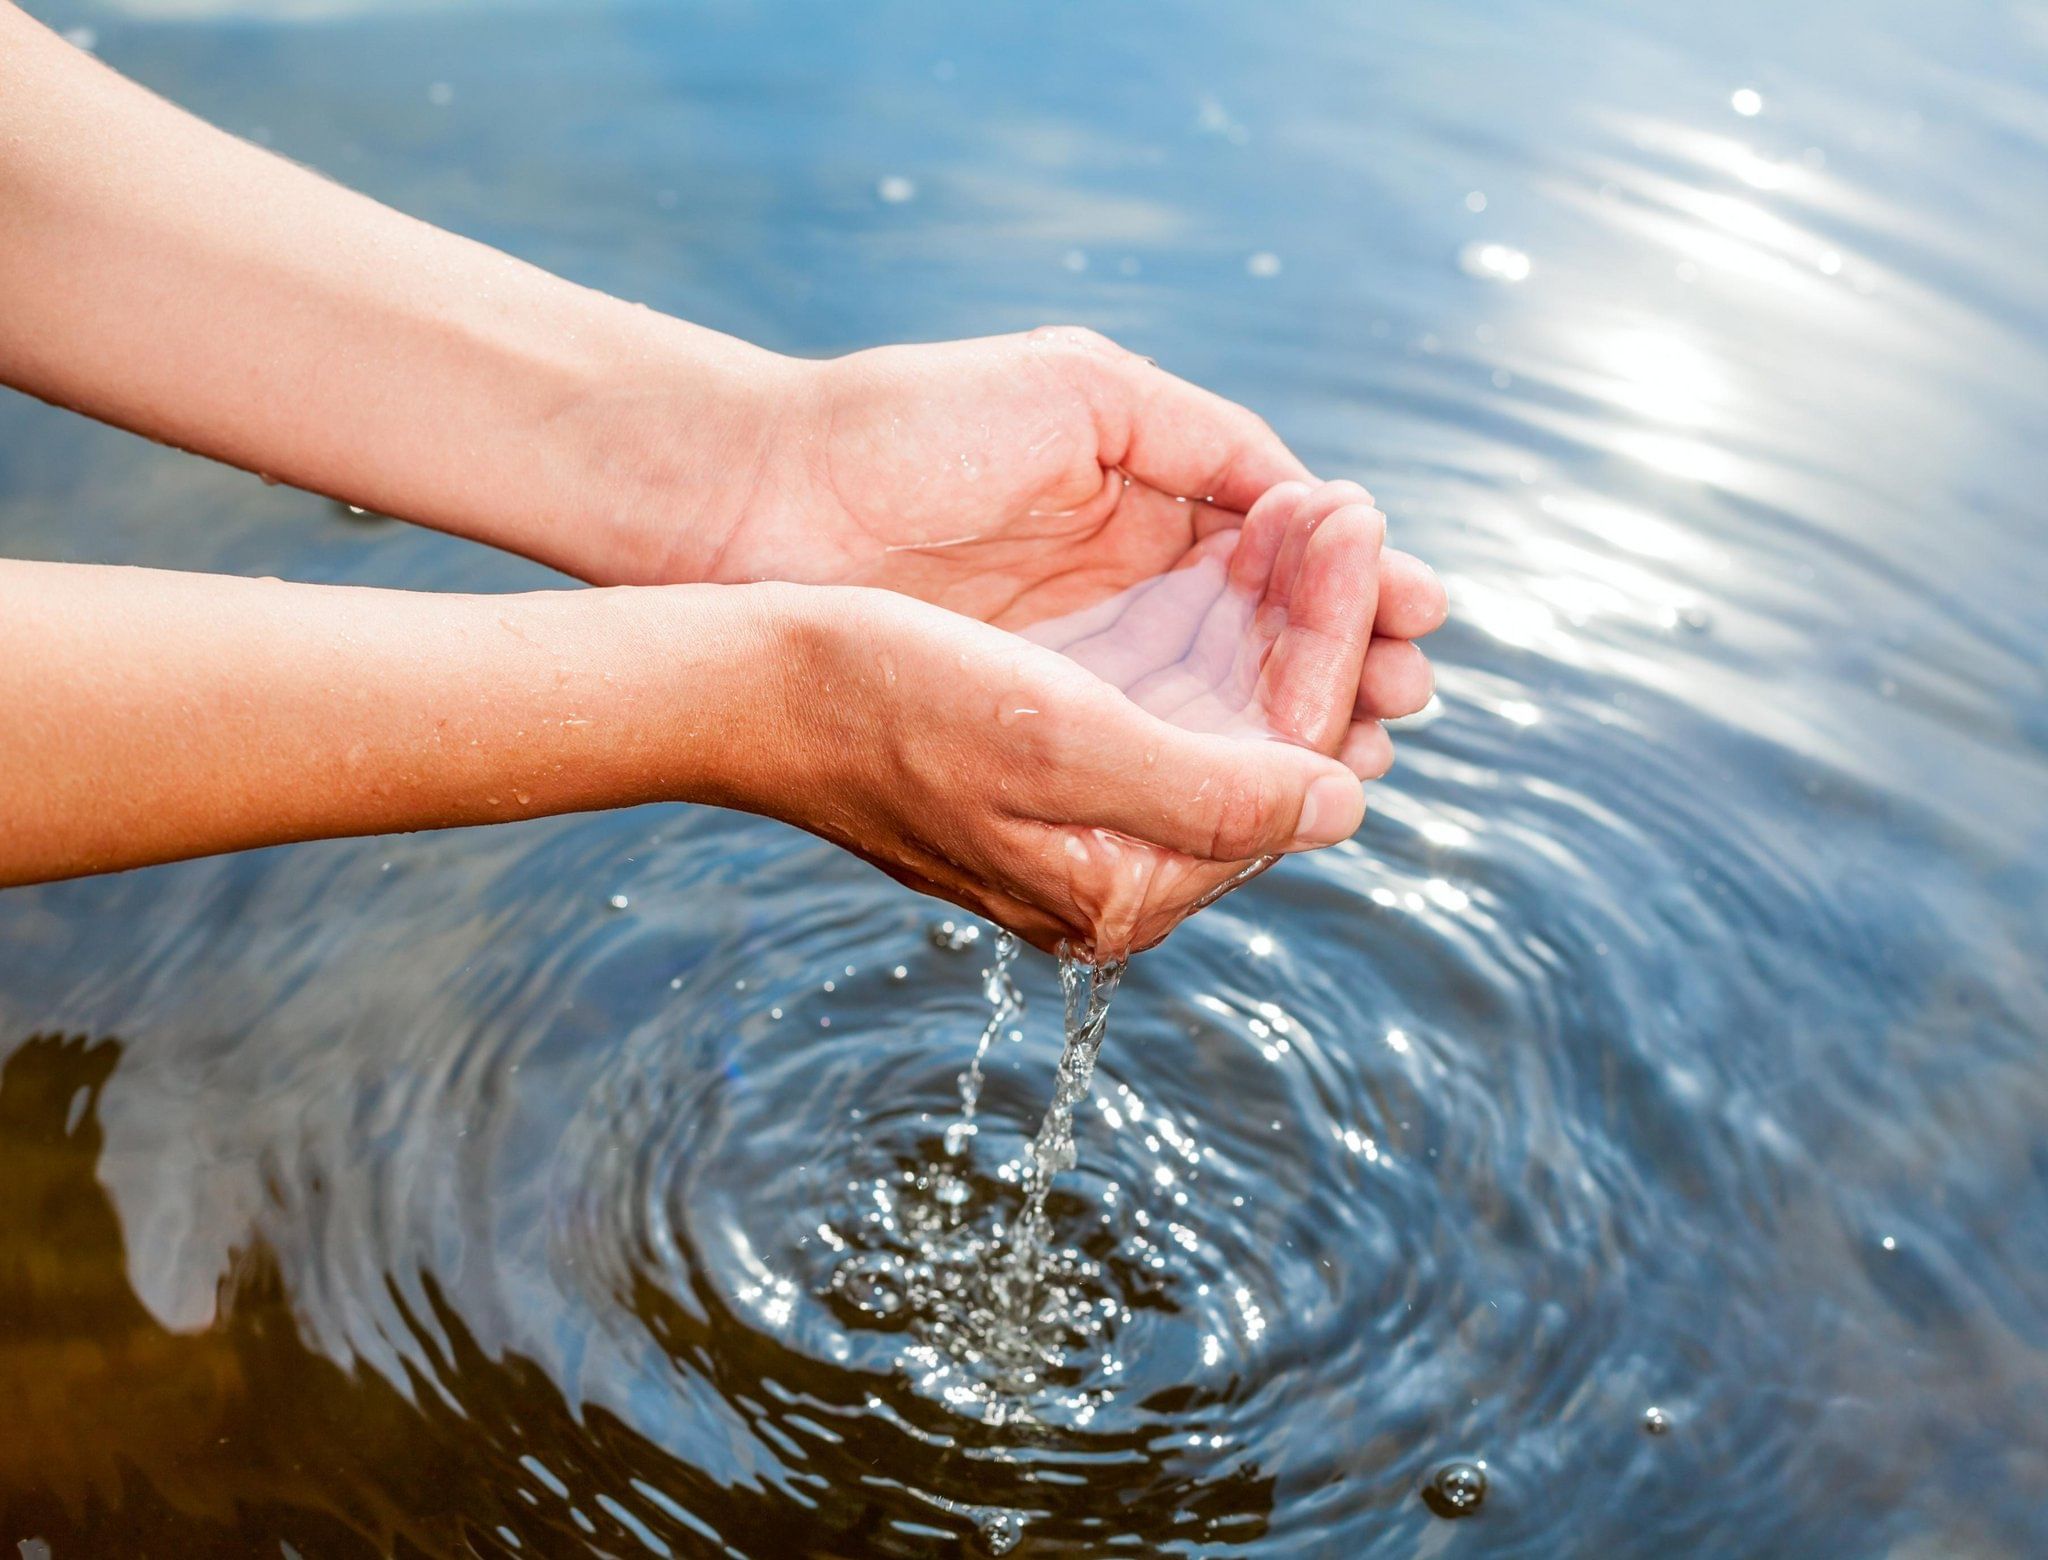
[1332,811]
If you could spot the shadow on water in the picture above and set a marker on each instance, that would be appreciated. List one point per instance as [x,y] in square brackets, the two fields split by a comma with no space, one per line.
[126,1438]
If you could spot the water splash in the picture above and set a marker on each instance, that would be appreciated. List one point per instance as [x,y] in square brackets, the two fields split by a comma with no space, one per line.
[1000,1300]
[1006,1006]
[1086,990]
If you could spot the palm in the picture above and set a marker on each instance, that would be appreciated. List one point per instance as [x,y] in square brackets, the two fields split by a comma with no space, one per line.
[1021,480]
[981,477]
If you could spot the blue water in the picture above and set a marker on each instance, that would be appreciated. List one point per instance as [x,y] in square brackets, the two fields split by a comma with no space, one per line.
[1674,1034]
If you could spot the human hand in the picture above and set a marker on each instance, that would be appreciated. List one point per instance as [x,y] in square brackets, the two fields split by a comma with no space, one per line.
[1097,793]
[1024,478]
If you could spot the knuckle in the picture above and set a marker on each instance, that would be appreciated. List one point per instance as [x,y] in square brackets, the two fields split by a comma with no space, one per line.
[1246,817]
[1079,338]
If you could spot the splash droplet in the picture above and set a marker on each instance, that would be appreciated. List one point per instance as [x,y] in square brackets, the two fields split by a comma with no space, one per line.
[1000,1531]
[871,1282]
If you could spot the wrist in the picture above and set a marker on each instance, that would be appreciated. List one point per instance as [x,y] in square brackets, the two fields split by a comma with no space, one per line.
[662,448]
[715,708]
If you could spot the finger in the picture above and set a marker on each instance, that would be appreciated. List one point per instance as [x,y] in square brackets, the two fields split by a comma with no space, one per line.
[1368,752]
[1204,675]
[1412,599]
[1212,797]
[1317,506]
[1265,527]
[1397,680]
[1311,680]
[1190,442]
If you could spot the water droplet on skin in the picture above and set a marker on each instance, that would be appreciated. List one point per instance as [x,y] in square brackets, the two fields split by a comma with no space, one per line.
[1000,1531]
[1008,714]
[522,797]
[1455,1490]
[1656,1421]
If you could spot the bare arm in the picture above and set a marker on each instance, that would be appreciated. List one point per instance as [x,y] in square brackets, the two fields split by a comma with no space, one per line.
[162,275]
[148,716]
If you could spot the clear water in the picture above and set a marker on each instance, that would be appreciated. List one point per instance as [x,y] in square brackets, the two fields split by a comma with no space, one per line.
[1672,1036]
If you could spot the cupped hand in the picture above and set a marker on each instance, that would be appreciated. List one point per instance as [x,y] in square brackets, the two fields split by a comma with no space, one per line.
[1096,788]
[1018,479]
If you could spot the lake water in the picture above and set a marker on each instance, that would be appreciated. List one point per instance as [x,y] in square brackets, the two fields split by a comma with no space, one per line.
[1674,1034]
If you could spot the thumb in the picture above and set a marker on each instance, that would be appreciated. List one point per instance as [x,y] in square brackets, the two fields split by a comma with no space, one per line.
[1222,798]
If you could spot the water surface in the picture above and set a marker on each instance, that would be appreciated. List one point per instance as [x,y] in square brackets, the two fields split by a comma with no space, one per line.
[1672,1035]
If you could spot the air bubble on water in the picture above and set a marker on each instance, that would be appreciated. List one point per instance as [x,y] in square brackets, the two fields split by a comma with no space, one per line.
[1694,618]
[1455,1489]
[1655,1420]
[1265,264]
[618,901]
[1000,1531]
[895,189]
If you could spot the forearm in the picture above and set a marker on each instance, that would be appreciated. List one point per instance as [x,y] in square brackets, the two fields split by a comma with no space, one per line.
[164,276]
[147,716]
